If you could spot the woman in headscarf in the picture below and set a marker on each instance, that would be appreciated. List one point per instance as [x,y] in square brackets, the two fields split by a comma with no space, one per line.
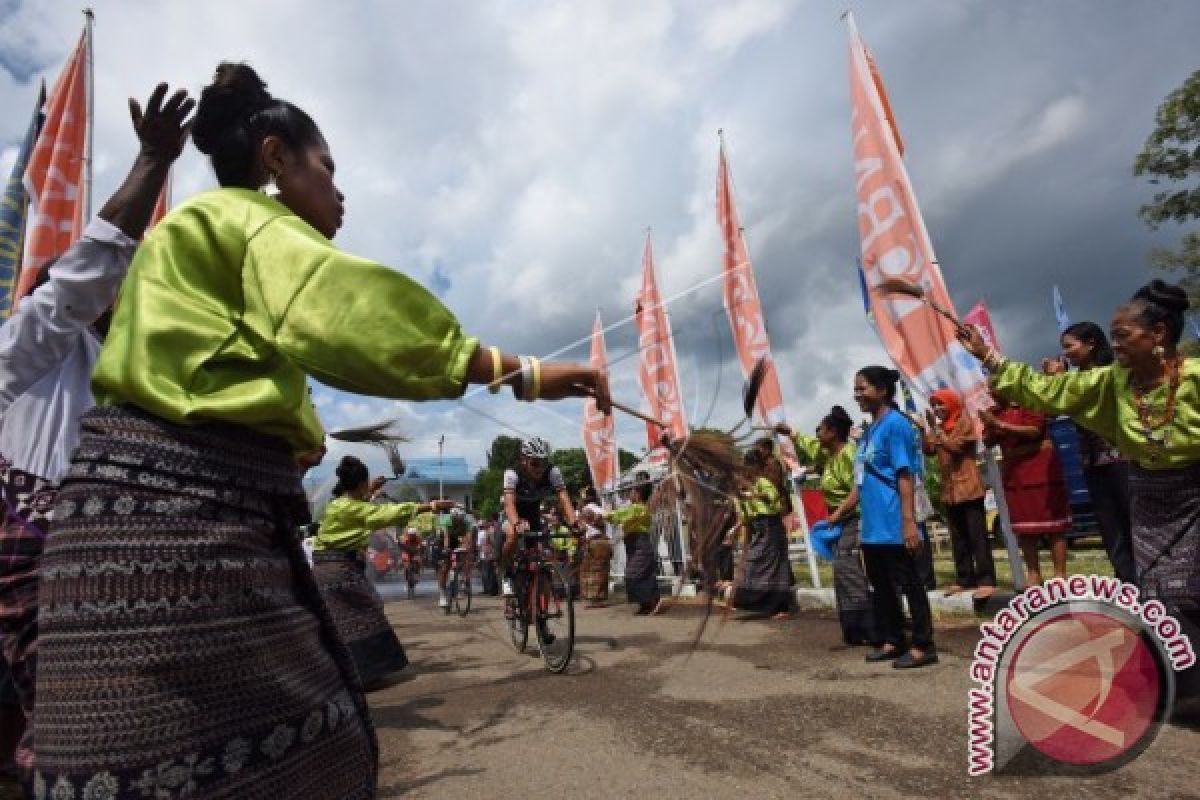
[1105,470]
[354,605]
[597,557]
[172,577]
[766,585]
[950,435]
[1148,405]
[884,472]
[1033,484]
[831,452]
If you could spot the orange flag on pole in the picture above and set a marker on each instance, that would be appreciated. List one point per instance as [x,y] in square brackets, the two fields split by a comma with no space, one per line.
[56,178]
[656,365]
[896,245]
[744,309]
[599,431]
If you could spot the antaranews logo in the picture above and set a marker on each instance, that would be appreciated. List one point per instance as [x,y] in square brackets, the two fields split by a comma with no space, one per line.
[1077,675]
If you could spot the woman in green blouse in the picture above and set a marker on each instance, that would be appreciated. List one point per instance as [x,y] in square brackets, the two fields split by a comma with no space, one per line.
[831,452]
[172,577]
[338,565]
[766,581]
[641,560]
[1148,405]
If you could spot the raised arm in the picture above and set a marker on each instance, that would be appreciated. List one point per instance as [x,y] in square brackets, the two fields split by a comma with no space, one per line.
[83,283]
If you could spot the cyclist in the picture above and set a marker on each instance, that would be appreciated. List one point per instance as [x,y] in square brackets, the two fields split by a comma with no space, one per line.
[410,550]
[456,535]
[526,485]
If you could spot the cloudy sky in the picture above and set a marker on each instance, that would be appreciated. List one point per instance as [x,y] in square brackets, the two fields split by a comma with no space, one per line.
[511,155]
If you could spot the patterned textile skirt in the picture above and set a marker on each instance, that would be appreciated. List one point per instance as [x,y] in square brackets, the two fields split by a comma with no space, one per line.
[767,582]
[1165,512]
[641,571]
[1036,493]
[184,649]
[596,560]
[851,589]
[28,501]
[357,611]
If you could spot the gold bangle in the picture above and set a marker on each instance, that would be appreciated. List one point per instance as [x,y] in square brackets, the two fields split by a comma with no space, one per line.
[497,371]
[537,379]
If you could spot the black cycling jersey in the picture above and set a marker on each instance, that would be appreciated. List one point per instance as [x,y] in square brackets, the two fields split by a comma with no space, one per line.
[529,495]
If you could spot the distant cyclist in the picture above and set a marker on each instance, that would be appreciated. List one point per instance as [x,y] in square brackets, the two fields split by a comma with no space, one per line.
[526,485]
[455,536]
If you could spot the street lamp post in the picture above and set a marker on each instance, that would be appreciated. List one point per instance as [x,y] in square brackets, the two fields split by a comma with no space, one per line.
[441,485]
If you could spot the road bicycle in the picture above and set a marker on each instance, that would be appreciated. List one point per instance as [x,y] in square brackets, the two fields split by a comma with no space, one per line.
[542,598]
[458,583]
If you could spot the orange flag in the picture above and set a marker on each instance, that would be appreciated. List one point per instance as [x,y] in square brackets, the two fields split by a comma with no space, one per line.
[656,365]
[745,312]
[599,432]
[54,178]
[895,245]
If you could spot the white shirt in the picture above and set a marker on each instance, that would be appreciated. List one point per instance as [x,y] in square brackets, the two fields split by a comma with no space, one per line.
[48,352]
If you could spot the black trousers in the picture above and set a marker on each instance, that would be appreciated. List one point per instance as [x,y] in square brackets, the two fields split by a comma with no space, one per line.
[973,564]
[1108,486]
[892,570]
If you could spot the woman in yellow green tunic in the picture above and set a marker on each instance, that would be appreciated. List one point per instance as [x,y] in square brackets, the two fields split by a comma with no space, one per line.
[173,577]
[831,452]
[767,581]
[641,560]
[338,565]
[1148,405]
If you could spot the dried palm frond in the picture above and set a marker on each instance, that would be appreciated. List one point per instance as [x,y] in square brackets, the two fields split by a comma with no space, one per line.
[899,286]
[392,449]
[706,473]
[754,385]
[375,433]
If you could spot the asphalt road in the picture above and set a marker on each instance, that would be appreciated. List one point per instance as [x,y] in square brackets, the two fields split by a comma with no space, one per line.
[761,709]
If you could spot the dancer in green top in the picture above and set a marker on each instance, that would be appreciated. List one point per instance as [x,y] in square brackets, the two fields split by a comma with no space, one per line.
[1148,405]
[766,582]
[186,481]
[340,571]
[831,452]
[641,560]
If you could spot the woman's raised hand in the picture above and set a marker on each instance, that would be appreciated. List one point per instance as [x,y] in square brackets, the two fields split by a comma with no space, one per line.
[973,341]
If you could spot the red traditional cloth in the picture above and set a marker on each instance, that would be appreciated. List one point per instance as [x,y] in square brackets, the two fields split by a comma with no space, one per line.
[1033,479]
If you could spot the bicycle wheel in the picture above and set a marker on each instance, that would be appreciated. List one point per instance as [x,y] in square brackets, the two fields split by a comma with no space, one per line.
[555,618]
[451,593]
[518,625]
[462,593]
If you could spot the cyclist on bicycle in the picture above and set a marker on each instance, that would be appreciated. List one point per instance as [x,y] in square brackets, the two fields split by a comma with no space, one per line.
[455,536]
[526,485]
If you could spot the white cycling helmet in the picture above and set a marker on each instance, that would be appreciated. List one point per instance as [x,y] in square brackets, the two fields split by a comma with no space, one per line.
[535,448]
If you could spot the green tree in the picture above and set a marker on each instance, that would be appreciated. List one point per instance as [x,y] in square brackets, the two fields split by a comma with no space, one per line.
[1171,156]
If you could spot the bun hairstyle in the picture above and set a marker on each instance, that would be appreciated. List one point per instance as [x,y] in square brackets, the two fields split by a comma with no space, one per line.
[1159,301]
[1092,334]
[351,473]
[882,378]
[235,114]
[838,421]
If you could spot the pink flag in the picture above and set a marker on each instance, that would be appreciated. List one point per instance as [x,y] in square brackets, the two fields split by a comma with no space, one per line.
[744,309]
[599,434]
[980,318]
[54,178]
[895,245]
[656,365]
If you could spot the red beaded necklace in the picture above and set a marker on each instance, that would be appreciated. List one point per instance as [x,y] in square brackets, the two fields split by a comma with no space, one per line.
[1154,430]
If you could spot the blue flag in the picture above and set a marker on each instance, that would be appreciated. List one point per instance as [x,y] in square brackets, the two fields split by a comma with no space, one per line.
[866,296]
[1060,311]
[13,208]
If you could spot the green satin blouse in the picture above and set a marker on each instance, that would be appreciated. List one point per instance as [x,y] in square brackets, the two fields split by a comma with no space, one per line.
[837,473]
[633,518]
[761,501]
[1101,400]
[347,522]
[232,300]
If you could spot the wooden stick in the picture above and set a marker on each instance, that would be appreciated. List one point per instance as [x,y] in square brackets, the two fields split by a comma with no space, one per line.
[622,407]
